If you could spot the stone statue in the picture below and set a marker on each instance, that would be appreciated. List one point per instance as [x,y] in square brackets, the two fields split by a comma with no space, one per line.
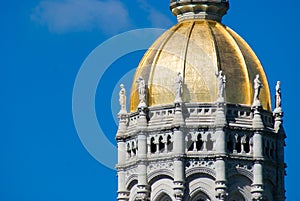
[278,95]
[122,99]
[141,89]
[257,87]
[178,88]
[221,85]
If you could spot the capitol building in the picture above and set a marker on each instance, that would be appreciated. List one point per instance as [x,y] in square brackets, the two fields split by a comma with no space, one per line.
[200,125]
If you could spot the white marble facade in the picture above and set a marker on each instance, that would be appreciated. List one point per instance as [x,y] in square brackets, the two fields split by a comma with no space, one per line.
[198,158]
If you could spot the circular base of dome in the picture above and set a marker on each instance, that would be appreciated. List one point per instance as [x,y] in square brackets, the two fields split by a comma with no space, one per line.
[201,15]
[213,10]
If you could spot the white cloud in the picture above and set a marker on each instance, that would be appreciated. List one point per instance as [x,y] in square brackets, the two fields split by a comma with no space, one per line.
[156,18]
[108,16]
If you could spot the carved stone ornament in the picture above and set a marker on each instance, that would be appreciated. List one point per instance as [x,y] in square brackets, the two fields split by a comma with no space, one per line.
[178,190]
[142,197]
[123,195]
[257,193]
[257,196]
[221,194]
[143,194]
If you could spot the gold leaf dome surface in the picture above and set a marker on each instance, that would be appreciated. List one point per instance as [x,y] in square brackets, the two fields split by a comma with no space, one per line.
[198,49]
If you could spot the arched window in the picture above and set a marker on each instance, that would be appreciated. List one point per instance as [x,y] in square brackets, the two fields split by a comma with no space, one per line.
[230,144]
[161,144]
[153,146]
[247,145]
[239,145]
[128,150]
[190,143]
[199,143]
[209,143]
[169,143]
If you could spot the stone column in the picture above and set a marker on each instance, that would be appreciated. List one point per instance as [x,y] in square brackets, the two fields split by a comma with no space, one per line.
[123,193]
[258,184]
[179,167]
[179,152]
[278,114]
[220,163]
[221,187]
[143,188]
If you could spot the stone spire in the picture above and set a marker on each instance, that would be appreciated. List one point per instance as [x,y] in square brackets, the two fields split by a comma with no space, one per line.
[199,9]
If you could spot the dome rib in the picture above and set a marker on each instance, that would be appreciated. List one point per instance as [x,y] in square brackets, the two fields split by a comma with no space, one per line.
[201,58]
[213,39]
[232,64]
[160,49]
[186,50]
[252,60]
[242,63]
[162,80]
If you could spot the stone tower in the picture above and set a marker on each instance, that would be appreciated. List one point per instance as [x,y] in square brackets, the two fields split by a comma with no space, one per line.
[200,125]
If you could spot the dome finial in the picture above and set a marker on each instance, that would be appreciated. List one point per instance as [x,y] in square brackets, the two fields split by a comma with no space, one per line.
[199,9]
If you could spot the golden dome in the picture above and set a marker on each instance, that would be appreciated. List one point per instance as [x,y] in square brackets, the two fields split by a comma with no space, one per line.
[198,49]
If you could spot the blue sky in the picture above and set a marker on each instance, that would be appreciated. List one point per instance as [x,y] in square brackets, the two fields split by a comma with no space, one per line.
[43,45]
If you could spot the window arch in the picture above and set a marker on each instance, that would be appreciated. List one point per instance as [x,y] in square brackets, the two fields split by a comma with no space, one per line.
[164,197]
[200,196]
